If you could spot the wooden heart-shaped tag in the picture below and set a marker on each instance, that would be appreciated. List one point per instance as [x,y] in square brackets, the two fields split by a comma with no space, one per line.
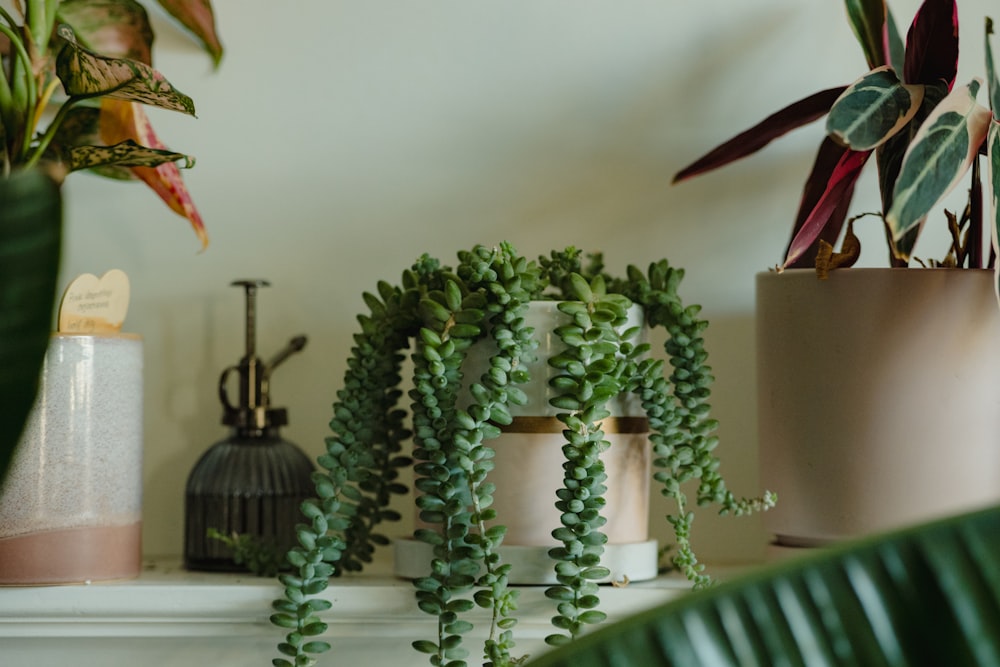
[95,305]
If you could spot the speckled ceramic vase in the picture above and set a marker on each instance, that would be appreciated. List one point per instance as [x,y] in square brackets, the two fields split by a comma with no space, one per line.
[71,506]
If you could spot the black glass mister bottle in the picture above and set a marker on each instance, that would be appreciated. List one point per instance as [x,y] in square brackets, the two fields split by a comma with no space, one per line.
[250,485]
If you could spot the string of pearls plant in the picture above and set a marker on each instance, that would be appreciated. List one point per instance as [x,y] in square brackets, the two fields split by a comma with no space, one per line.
[445,311]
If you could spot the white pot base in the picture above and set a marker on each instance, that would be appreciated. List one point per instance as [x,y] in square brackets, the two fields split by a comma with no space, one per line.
[635,561]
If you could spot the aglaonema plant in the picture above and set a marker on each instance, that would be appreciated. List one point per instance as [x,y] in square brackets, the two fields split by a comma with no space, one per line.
[443,312]
[924,131]
[75,76]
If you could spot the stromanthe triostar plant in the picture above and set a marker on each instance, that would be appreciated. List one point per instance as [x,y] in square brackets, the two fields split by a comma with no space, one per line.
[924,132]
[443,311]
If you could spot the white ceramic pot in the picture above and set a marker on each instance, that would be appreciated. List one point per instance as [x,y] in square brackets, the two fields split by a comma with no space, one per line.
[528,472]
[71,506]
[878,398]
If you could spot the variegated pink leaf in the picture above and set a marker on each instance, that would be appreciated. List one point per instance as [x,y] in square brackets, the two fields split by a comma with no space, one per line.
[117,28]
[198,17]
[87,74]
[868,21]
[941,153]
[121,121]
[777,124]
[932,44]
[840,184]
[873,109]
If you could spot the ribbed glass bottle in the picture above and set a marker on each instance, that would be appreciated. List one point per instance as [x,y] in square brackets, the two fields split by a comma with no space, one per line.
[249,485]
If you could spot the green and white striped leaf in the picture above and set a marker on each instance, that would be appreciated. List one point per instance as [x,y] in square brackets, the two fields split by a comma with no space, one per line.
[992,81]
[873,109]
[993,151]
[993,162]
[942,151]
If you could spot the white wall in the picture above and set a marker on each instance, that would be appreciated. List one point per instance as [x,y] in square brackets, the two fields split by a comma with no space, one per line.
[339,140]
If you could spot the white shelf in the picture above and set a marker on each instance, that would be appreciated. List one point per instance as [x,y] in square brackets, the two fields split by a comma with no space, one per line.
[170,616]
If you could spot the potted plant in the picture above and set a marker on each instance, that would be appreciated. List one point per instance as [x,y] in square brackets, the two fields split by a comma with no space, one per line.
[877,386]
[74,77]
[455,419]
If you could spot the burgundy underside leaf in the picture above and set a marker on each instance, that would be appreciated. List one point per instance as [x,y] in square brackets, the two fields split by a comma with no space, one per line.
[791,117]
[932,44]
[838,186]
[198,17]
[974,250]
[827,157]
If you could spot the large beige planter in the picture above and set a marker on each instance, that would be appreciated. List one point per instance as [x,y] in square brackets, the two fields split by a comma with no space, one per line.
[528,471]
[878,398]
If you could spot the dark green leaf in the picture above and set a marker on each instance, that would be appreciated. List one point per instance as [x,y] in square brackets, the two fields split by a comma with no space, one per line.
[424,646]
[30,242]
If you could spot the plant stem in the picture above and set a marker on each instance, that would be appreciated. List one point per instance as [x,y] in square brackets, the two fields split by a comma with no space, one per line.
[17,94]
[50,131]
[40,17]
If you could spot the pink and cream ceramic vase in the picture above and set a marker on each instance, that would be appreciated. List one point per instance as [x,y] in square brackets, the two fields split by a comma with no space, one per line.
[528,472]
[71,506]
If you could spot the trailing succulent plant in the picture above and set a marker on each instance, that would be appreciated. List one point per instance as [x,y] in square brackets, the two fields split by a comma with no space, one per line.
[925,134]
[445,311]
